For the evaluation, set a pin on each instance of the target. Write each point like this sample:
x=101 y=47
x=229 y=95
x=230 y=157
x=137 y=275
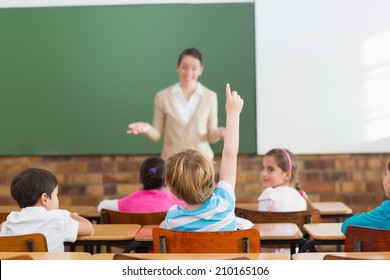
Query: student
x=154 y=197
x=36 y=192
x=190 y=176
x=280 y=175
x=185 y=114
x=377 y=218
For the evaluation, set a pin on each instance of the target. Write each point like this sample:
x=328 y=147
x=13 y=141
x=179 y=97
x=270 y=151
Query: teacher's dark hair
x=192 y=52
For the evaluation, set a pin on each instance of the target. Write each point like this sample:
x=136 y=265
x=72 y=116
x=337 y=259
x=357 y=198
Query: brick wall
x=354 y=179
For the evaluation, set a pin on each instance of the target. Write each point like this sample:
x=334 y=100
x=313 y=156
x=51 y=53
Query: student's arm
x=110 y=204
x=85 y=226
x=233 y=107
x=265 y=205
x=266 y=200
x=377 y=218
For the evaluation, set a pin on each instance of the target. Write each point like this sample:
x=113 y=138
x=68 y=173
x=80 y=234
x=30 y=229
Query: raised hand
x=234 y=102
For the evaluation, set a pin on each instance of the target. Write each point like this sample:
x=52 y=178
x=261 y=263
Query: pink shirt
x=148 y=201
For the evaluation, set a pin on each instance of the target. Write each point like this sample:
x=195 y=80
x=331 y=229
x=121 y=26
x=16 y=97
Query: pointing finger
x=228 y=93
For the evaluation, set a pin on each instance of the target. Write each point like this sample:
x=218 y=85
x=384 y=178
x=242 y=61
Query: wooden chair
x=238 y=241
x=3 y=216
x=35 y=242
x=143 y=219
x=298 y=217
x=363 y=239
x=20 y=257
x=116 y=217
x=328 y=257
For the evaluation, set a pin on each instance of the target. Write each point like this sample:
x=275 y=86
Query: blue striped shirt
x=216 y=213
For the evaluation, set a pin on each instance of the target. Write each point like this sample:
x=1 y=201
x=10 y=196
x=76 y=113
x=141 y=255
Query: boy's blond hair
x=190 y=176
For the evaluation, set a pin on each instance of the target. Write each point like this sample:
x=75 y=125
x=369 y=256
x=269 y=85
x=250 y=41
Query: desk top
x=9 y=208
x=278 y=231
x=332 y=208
x=325 y=207
x=250 y=206
x=362 y=255
x=83 y=210
x=145 y=233
x=325 y=231
x=172 y=256
x=47 y=255
x=112 y=232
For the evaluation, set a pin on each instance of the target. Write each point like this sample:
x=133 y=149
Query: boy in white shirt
x=36 y=192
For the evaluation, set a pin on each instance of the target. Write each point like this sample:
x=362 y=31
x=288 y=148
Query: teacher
x=185 y=114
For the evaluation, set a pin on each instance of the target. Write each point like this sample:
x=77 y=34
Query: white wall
x=323 y=75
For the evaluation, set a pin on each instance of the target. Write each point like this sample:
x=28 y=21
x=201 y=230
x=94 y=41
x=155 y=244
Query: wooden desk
x=323 y=234
x=328 y=209
x=250 y=206
x=89 y=212
x=172 y=256
x=280 y=234
x=143 y=240
x=9 y=208
x=47 y=255
x=333 y=209
x=362 y=255
x=107 y=235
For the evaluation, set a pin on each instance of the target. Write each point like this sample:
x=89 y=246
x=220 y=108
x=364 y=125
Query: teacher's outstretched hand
x=138 y=128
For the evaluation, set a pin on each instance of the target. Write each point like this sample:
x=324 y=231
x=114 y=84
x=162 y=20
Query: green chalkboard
x=72 y=78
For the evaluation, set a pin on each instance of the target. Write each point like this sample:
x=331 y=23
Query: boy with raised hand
x=190 y=176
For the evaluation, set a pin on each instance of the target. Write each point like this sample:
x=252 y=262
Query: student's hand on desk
x=138 y=128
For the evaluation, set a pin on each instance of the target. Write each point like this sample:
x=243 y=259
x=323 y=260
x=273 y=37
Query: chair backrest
x=35 y=242
x=297 y=217
x=341 y=258
x=3 y=216
x=117 y=217
x=363 y=239
x=238 y=241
